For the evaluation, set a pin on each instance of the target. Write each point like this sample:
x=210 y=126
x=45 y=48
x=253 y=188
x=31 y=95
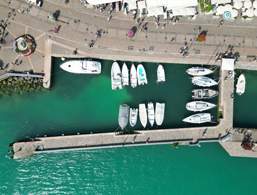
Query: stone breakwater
x=20 y=85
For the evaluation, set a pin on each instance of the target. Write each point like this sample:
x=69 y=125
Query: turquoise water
x=71 y=106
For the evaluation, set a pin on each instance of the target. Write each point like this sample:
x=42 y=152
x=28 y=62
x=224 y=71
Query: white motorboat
x=143 y=115
x=125 y=75
x=159 y=113
x=199 y=106
x=160 y=74
x=151 y=115
x=123 y=115
x=204 y=93
x=199 y=71
x=141 y=75
x=133 y=76
x=116 y=76
x=133 y=116
x=198 y=118
x=203 y=81
x=82 y=66
x=240 y=85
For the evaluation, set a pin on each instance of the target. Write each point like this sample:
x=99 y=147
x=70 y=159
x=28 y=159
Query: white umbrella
x=227 y=15
x=220 y=10
x=234 y=13
x=238 y=4
x=228 y=7
x=248 y=4
x=255 y=4
x=255 y=12
x=249 y=12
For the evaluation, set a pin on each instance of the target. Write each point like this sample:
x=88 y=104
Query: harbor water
x=79 y=103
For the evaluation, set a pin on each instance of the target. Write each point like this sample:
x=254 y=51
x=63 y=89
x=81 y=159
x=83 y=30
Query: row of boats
x=121 y=77
x=199 y=79
x=151 y=114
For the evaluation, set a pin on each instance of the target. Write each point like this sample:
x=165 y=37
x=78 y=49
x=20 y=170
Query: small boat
x=204 y=93
x=198 y=118
x=123 y=115
x=160 y=74
x=125 y=75
x=116 y=76
x=151 y=115
x=240 y=85
x=159 y=113
x=143 y=115
x=141 y=75
x=133 y=116
x=133 y=76
x=198 y=71
x=203 y=81
x=199 y=106
x=82 y=66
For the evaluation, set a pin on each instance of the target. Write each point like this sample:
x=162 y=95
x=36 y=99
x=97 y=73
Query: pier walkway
x=18 y=74
x=179 y=135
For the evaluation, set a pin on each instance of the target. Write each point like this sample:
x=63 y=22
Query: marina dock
x=142 y=137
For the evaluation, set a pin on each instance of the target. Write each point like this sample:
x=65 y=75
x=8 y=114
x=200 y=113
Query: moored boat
x=143 y=115
x=160 y=74
x=203 y=81
x=198 y=118
x=125 y=75
x=133 y=76
x=116 y=76
x=159 y=113
x=240 y=85
x=199 y=71
x=151 y=115
x=133 y=116
x=82 y=66
x=199 y=106
x=123 y=115
x=204 y=93
x=141 y=75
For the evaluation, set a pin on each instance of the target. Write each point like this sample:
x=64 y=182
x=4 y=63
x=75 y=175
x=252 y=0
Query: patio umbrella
x=220 y=10
x=238 y=4
x=255 y=4
x=255 y=12
x=249 y=12
x=248 y=4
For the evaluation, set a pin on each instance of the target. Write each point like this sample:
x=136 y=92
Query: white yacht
x=199 y=71
x=116 y=76
x=133 y=116
x=199 y=106
x=198 y=118
x=204 y=93
x=125 y=75
x=240 y=85
x=133 y=76
x=141 y=75
x=160 y=74
x=123 y=115
x=151 y=115
x=82 y=66
x=143 y=115
x=203 y=81
x=159 y=113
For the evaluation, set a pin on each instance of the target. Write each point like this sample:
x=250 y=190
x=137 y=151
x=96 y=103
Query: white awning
x=228 y=64
x=141 y=5
x=220 y=1
x=188 y=11
x=132 y=4
x=155 y=11
x=99 y=2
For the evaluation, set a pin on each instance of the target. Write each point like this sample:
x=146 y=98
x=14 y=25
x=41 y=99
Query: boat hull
x=199 y=71
x=159 y=113
x=143 y=115
x=160 y=74
x=123 y=115
x=198 y=118
x=81 y=67
x=141 y=75
x=133 y=76
x=203 y=81
x=116 y=76
x=199 y=106
x=125 y=75
x=204 y=93
x=133 y=116
x=240 y=86
x=151 y=115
